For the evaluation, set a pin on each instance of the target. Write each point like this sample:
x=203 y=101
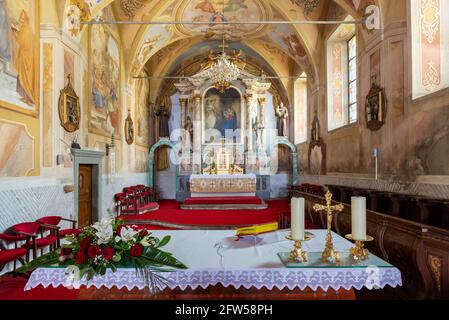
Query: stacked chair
x=137 y=199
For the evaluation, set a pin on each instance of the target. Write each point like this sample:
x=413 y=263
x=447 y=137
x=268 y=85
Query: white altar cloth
x=223 y=185
x=214 y=257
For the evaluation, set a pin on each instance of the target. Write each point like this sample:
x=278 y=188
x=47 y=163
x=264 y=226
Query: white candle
x=358 y=218
x=297 y=218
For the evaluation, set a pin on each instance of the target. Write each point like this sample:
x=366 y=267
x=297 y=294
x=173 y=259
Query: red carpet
x=171 y=212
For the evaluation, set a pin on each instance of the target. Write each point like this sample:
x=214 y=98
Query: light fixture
x=223 y=72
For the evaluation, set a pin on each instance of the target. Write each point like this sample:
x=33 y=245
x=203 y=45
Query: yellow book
x=257 y=229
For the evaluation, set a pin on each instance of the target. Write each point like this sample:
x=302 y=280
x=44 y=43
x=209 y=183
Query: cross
x=329 y=251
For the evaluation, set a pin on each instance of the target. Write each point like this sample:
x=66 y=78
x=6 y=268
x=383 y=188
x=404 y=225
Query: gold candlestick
x=297 y=253
x=358 y=252
x=329 y=254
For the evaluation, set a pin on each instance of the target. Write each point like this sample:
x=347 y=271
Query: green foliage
x=48 y=259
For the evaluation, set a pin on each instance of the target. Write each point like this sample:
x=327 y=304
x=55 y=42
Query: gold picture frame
x=129 y=130
x=11 y=105
x=69 y=108
x=375 y=108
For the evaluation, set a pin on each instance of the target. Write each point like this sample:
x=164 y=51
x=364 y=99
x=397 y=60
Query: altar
x=223 y=185
x=215 y=259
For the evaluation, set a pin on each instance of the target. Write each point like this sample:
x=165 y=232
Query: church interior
x=253 y=149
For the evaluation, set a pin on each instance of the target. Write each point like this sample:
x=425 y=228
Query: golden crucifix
x=329 y=252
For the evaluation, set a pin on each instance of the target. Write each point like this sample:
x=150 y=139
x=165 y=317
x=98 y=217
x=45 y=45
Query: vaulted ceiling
x=162 y=49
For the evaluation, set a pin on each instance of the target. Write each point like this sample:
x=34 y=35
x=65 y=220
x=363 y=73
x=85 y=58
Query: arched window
x=342 y=77
x=300 y=110
x=430 y=46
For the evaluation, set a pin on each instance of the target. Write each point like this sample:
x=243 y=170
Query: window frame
x=356 y=78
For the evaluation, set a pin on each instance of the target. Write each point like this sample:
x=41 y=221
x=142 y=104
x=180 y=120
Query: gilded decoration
x=223 y=185
x=69 y=108
x=435 y=267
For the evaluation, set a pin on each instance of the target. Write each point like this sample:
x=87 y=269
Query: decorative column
x=249 y=124
x=261 y=101
x=197 y=133
x=183 y=105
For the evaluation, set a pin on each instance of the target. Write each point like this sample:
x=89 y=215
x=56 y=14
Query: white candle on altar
x=297 y=218
x=358 y=218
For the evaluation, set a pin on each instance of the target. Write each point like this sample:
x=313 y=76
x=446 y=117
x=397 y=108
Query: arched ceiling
x=301 y=43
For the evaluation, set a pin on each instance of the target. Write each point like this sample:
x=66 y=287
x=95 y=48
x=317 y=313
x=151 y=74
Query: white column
x=197 y=133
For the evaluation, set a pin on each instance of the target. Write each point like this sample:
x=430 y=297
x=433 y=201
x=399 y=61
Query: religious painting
x=212 y=11
x=16 y=150
x=129 y=130
x=142 y=113
x=19 y=55
x=375 y=108
x=222 y=115
x=69 y=108
x=104 y=64
x=286 y=37
x=156 y=36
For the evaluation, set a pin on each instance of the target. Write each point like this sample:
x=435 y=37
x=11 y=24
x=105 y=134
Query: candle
x=297 y=218
x=358 y=218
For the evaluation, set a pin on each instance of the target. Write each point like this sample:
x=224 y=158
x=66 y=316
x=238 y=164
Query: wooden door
x=85 y=195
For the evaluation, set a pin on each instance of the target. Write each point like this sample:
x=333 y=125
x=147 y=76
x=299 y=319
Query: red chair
x=12 y=255
x=33 y=229
x=54 y=221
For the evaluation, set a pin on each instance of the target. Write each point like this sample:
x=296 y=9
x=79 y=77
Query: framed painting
x=19 y=56
x=129 y=130
x=104 y=82
x=222 y=115
x=375 y=108
x=69 y=108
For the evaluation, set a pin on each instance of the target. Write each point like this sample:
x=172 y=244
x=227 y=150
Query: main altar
x=225 y=133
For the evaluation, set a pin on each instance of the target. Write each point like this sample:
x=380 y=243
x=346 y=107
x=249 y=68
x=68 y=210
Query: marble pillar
x=197 y=133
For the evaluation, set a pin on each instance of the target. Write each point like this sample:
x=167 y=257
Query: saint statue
x=164 y=116
x=188 y=127
x=282 y=115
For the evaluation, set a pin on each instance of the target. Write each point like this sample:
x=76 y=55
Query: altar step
x=224 y=203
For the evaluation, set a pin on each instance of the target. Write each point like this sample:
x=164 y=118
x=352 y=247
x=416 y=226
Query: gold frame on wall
x=375 y=108
x=36 y=55
x=68 y=94
x=129 y=130
x=116 y=38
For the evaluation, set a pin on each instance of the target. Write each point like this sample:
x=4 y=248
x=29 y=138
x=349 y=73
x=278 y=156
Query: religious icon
x=282 y=115
x=375 y=108
x=129 y=130
x=315 y=129
x=189 y=128
x=164 y=116
x=221 y=113
x=69 y=108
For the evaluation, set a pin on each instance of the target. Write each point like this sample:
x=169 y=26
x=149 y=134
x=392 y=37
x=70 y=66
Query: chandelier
x=223 y=72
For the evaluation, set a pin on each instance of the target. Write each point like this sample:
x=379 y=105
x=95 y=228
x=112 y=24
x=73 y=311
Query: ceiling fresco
x=140 y=42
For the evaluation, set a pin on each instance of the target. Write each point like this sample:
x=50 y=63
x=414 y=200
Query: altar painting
x=222 y=115
x=104 y=115
x=19 y=58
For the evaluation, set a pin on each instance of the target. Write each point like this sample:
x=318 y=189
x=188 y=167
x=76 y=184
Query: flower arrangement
x=110 y=244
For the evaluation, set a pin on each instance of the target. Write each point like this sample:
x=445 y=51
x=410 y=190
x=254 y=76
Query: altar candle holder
x=298 y=254
x=359 y=253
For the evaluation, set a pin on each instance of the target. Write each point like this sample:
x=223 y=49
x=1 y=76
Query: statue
x=164 y=116
x=188 y=127
x=210 y=61
x=315 y=129
x=236 y=60
x=282 y=115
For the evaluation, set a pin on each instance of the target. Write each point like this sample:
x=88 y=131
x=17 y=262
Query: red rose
x=93 y=251
x=66 y=251
x=85 y=243
x=143 y=233
x=81 y=258
x=108 y=253
x=136 y=250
